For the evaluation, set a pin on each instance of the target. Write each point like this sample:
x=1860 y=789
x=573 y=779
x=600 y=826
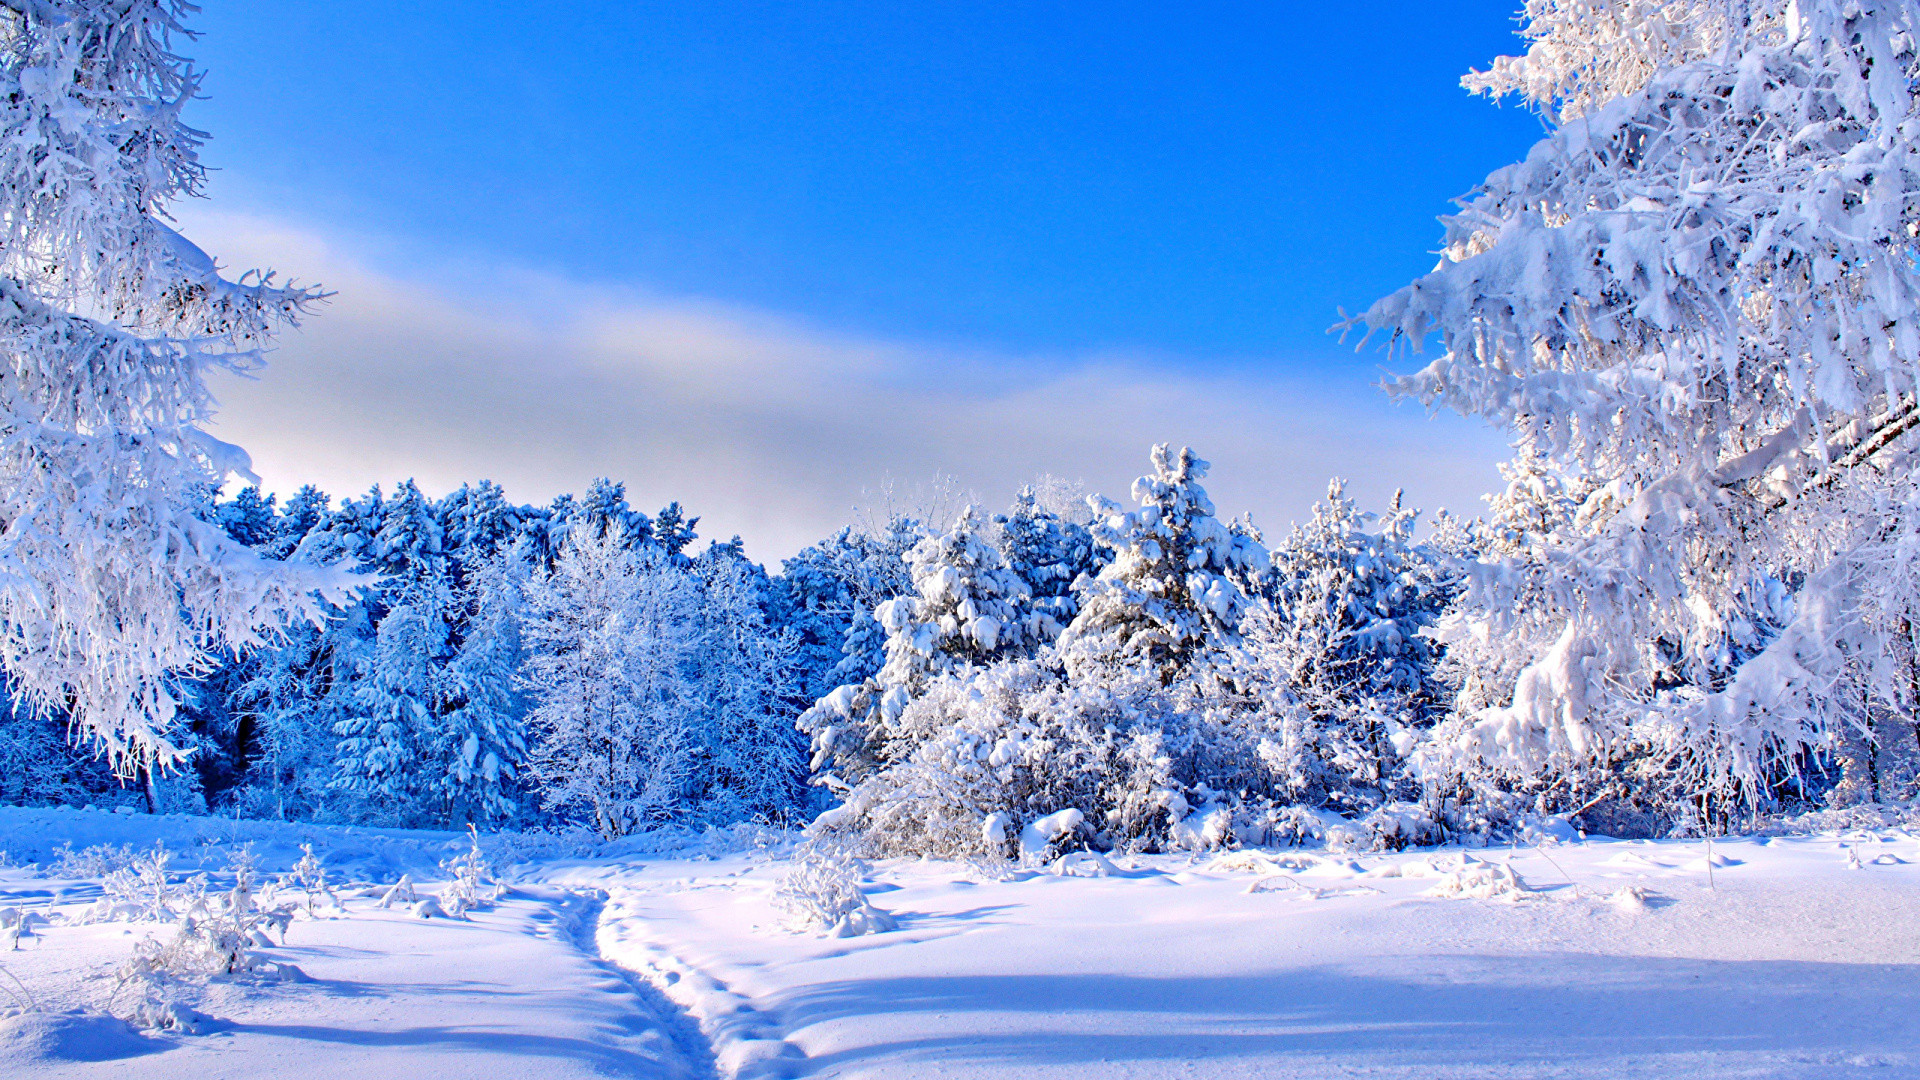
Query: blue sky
x=1027 y=234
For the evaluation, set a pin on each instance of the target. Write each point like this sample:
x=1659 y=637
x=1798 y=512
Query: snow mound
x=1254 y=862
x=1471 y=879
x=77 y=1035
x=865 y=919
x=1084 y=864
x=1334 y=868
x=1703 y=864
x=1280 y=883
x=1632 y=899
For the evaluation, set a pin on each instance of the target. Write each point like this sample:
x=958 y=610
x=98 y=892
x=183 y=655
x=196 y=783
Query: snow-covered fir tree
x=111 y=587
x=755 y=759
x=1131 y=723
x=1171 y=592
x=966 y=609
x=829 y=591
x=1335 y=668
x=1051 y=555
x=480 y=742
x=394 y=720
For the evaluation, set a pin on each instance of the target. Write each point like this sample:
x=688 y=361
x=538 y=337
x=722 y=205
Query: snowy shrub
x=214 y=936
x=401 y=891
x=1463 y=877
x=474 y=885
x=310 y=877
x=1000 y=741
x=821 y=891
x=96 y=861
x=141 y=889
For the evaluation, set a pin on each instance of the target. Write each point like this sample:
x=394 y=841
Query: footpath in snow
x=1780 y=957
x=1598 y=959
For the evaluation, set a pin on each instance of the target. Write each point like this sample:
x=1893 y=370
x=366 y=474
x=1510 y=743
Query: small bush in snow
x=96 y=861
x=822 y=891
x=215 y=936
x=310 y=877
x=141 y=890
x=474 y=885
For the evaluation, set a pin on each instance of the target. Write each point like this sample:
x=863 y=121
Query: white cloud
x=763 y=426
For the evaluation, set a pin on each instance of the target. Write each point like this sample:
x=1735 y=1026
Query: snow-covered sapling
x=474 y=885
x=311 y=878
x=822 y=892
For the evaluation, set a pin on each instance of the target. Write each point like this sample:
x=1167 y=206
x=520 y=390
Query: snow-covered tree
x=248 y=518
x=966 y=609
x=828 y=593
x=1700 y=291
x=384 y=763
x=111 y=587
x=1171 y=592
x=1051 y=555
x=1135 y=731
x=479 y=522
x=1334 y=667
x=480 y=742
x=39 y=766
x=611 y=635
x=755 y=759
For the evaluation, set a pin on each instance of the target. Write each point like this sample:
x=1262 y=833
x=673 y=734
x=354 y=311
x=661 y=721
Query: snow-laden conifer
x=1334 y=667
x=110 y=586
x=1170 y=593
x=966 y=609
x=479 y=744
x=755 y=761
x=393 y=720
x=1051 y=555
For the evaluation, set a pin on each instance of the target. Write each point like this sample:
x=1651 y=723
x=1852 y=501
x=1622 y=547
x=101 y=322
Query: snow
x=505 y=992
x=1786 y=965
x=1595 y=958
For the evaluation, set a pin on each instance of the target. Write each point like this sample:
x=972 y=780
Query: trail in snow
x=1797 y=958
x=1790 y=964
x=506 y=994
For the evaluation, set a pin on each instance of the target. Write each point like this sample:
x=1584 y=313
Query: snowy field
x=1795 y=957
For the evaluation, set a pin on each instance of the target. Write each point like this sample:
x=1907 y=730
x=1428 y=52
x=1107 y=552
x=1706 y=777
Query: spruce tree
x=111 y=588
x=1169 y=597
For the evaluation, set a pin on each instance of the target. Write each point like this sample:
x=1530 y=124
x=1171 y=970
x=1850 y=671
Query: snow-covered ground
x=1591 y=959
